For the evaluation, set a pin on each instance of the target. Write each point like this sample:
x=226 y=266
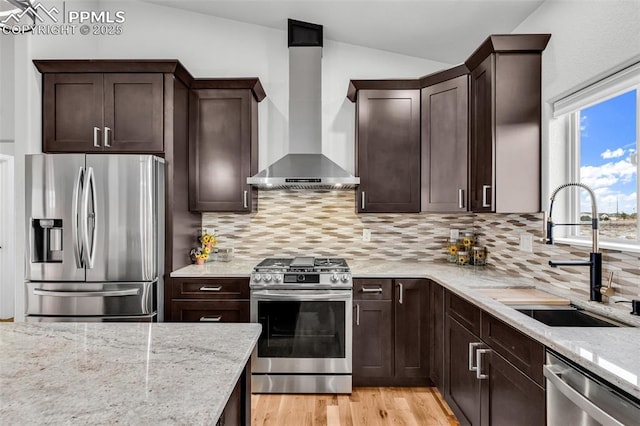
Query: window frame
x=568 y=108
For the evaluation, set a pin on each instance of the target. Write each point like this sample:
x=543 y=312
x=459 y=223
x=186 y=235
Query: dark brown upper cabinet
x=223 y=144
x=505 y=141
x=445 y=137
x=388 y=150
x=103 y=112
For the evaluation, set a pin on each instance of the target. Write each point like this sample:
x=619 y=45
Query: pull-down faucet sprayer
x=595 y=257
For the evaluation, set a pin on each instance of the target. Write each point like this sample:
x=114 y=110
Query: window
x=604 y=155
x=608 y=152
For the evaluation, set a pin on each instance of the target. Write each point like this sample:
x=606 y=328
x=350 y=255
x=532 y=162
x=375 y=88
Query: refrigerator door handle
x=89 y=246
x=77 y=248
x=106 y=293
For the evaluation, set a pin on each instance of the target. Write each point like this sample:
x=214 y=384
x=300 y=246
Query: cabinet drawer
x=372 y=289
x=210 y=311
x=210 y=288
x=464 y=312
x=519 y=349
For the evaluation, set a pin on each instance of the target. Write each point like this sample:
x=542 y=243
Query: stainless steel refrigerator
x=95 y=229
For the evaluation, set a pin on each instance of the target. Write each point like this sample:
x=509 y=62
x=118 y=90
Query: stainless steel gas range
x=305 y=307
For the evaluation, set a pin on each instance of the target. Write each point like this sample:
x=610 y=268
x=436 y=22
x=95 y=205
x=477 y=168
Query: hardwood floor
x=365 y=406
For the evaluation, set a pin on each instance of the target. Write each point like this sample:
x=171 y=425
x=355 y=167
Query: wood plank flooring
x=419 y=406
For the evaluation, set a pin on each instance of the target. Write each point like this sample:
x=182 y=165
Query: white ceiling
x=440 y=30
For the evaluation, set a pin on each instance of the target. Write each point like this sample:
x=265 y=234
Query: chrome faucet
x=595 y=257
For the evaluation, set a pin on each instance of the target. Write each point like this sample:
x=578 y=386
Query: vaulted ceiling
x=440 y=30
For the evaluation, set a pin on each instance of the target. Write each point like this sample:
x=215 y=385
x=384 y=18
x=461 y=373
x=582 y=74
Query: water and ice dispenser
x=46 y=240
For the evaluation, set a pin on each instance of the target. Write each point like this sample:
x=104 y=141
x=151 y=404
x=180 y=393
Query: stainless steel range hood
x=305 y=166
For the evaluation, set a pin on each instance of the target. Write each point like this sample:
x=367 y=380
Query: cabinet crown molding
x=507 y=43
x=58 y=66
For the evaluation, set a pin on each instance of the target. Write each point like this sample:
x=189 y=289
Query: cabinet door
x=445 y=130
x=210 y=311
x=482 y=136
x=388 y=144
x=220 y=138
x=462 y=388
x=436 y=335
x=72 y=109
x=133 y=113
x=412 y=328
x=372 y=342
x=508 y=396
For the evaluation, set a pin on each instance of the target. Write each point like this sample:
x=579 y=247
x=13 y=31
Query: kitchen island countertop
x=126 y=373
x=609 y=352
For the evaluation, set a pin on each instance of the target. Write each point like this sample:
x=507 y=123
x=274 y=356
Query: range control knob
x=277 y=278
x=267 y=278
x=334 y=278
x=257 y=277
x=344 y=278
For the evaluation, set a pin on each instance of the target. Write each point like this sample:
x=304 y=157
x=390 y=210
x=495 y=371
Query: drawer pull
x=472 y=348
x=479 y=353
x=211 y=319
x=371 y=290
x=205 y=288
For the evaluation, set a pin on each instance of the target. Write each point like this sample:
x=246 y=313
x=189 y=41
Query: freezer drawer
x=90 y=299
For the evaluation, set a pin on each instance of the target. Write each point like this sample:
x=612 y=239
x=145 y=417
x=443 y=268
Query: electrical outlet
x=366 y=235
x=526 y=242
x=454 y=234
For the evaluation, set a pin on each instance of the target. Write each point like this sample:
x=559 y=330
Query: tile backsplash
x=325 y=223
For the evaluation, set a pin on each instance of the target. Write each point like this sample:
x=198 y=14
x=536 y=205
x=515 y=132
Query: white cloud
x=612 y=154
x=608 y=174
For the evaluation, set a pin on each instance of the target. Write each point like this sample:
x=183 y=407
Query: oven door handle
x=296 y=296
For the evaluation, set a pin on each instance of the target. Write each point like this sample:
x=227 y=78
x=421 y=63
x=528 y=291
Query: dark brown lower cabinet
x=210 y=310
x=436 y=335
x=390 y=332
x=372 y=341
x=482 y=384
x=508 y=396
x=212 y=299
x=462 y=388
x=412 y=329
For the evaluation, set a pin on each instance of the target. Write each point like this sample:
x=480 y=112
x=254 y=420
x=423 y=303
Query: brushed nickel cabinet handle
x=485 y=203
x=461 y=198
x=96 y=137
x=401 y=290
x=479 y=353
x=371 y=290
x=107 y=132
x=211 y=319
x=472 y=347
x=357 y=314
x=245 y=199
x=205 y=288
x=362 y=201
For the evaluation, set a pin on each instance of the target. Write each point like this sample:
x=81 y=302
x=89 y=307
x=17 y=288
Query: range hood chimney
x=304 y=166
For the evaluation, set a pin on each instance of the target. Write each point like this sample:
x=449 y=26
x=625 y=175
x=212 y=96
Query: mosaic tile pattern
x=325 y=223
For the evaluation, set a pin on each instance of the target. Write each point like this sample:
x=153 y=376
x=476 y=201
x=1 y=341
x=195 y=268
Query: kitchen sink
x=567 y=316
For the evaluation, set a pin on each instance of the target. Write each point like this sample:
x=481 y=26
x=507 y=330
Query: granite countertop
x=611 y=353
x=126 y=373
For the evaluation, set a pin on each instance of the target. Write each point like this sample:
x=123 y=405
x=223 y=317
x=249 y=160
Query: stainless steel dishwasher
x=579 y=398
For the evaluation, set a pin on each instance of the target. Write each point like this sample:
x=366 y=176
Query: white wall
x=6 y=91
x=589 y=40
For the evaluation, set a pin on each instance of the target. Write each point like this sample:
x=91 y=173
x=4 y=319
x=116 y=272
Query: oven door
x=303 y=331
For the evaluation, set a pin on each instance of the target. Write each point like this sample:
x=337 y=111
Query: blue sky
x=608 y=144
